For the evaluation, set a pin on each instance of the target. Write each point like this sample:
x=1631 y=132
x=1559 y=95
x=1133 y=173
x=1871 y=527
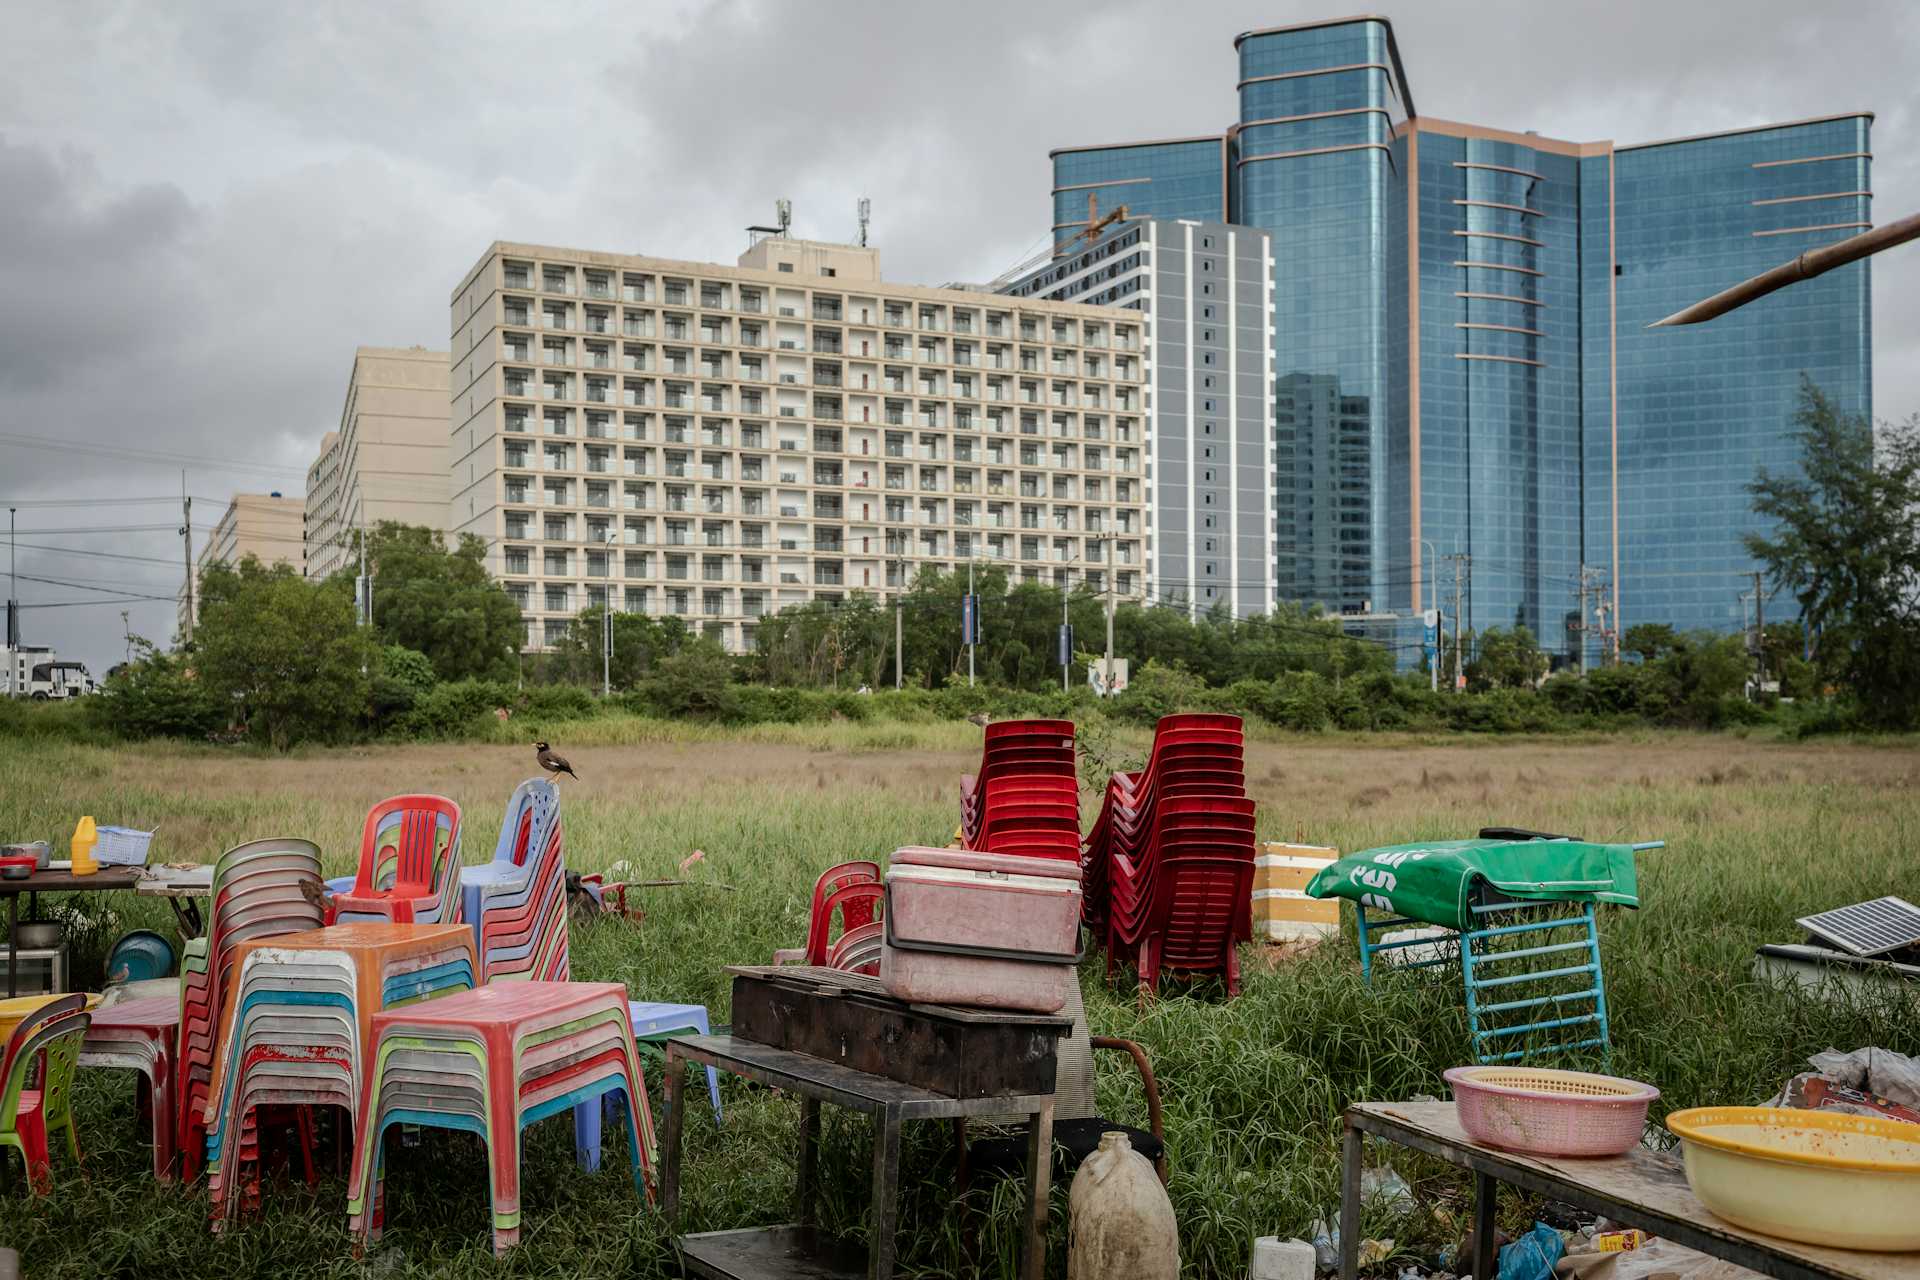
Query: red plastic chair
x=406 y=873
x=855 y=910
x=1168 y=870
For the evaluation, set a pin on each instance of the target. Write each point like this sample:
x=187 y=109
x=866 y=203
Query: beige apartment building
x=265 y=526
x=388 y=460
x=722 y=442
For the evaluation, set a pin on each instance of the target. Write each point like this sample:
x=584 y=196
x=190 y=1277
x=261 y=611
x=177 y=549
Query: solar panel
x=1867 y=928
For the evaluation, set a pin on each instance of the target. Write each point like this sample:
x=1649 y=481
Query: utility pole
x=186 y=547
x=13 y=589
x=1112 y=574
x=1462 y=570
x=1580 y=619
x=1066 y=666
x=899 y=629
x=606 y=623
x=973 y=615
x=366 y=583
x=1760 y=626
x=126 y=626
x=1433 y=607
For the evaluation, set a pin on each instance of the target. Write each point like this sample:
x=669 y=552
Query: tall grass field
x=1757 y=833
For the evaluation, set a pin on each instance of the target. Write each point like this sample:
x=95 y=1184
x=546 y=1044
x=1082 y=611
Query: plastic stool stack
x=297 y=1016
x=653 y=1024
x=261 y=889
x=492 y=1061
x=141 y=1035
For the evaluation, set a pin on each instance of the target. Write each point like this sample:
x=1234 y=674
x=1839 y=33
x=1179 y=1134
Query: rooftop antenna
x=865 y=208
x=783 y=214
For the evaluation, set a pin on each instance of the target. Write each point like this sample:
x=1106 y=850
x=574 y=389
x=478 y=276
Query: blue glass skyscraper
x=1462 y=361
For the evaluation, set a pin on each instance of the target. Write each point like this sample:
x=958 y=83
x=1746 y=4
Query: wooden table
x=182 y=887
x=1645 y=1189
x=767 y=1253
x=55 y=880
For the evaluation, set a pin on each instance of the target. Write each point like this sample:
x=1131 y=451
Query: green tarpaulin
x=1434 y=882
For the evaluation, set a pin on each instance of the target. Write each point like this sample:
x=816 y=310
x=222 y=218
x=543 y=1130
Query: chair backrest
x=56 y=1041
x=25 y=1029
x=856 y=904
x=838 y=877
x=408 y=842
x=531 y=811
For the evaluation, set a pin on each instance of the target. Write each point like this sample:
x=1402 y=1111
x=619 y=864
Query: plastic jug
x=85 y=836
x=1122 y=1225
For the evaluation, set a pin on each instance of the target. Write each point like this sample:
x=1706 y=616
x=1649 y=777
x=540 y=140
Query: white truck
x=35 y=671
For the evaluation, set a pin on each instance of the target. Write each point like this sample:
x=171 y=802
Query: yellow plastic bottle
x=85 y=836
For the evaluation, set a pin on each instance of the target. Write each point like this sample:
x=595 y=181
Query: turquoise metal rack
x=1534 y=982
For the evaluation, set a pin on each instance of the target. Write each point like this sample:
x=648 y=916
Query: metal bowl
x=37 y=935
x=39 y=850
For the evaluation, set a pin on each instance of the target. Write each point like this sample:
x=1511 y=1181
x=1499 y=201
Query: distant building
x=388 y=460
x=718 y=442
x=1461 y=354
x=1206 y=289
x=265 y=526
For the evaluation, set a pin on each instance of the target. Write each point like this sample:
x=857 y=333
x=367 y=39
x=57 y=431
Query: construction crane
x=1096 y=222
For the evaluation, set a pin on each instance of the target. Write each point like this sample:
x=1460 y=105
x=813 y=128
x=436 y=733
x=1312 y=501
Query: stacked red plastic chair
x=261 y=889
x=409 y=864
x=517 y=903
x=852 y=890
x=1168 y=875
x=1025 y=800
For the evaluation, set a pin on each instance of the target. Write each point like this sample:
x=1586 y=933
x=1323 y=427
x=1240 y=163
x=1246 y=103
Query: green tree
x=639 y=641
x=1693 y=681
x=1844 y=541
x=159 y=695
x=442 y=603
x=402 y=677
x=694 y=683
x=1650 y=640
x=285 y=650
x=1505 y=659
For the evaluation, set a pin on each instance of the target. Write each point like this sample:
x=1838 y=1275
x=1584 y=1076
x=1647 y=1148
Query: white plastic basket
x=122 y=847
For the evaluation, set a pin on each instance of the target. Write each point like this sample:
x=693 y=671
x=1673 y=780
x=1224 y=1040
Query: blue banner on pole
x=969 y=619
x=1066 y=644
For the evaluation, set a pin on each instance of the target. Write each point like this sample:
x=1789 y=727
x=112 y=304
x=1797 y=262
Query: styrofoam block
x=1277 y=1259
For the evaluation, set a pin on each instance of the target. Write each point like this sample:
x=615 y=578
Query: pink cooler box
x=988 y=929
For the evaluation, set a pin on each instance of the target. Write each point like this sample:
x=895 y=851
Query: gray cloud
x=208 y=206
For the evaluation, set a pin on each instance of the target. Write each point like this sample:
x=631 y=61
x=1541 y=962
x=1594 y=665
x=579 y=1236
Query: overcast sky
x=204 y=207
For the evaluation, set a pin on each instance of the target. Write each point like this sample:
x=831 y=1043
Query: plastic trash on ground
x=1866 y=1082
x=1533 y=1255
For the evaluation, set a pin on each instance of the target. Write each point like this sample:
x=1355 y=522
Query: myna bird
x=553 y=764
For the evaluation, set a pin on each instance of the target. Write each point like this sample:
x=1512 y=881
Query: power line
x=170 y=459
x=87 y=502
x=130 y=593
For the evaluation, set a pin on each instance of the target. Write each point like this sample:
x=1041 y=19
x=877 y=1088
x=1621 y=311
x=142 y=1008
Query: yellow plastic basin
x=1852 y=1182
